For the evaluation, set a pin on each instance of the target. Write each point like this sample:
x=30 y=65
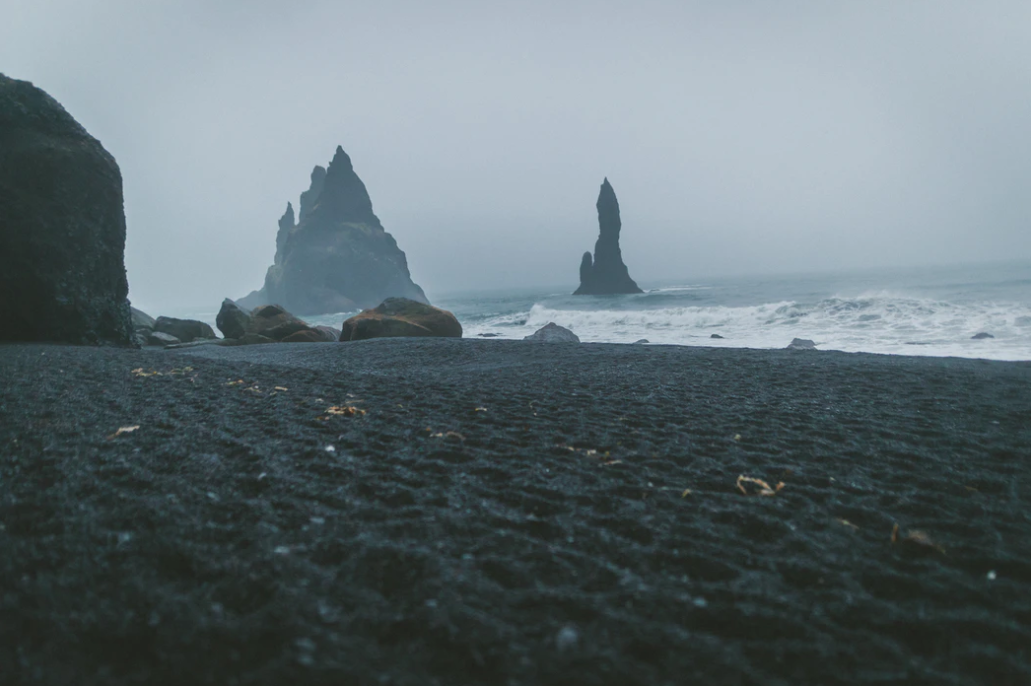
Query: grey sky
x=739 y=136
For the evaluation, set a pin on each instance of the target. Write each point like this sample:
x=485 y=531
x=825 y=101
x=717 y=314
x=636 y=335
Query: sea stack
x=606 y=274
x=62 y=226
x=337 y=257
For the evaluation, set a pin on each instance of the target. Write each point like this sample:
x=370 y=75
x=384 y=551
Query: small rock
x=553 y=333
x=981 y=336
x=716 y=335
x=162 y=339
x=801 y=344
x=641 y=342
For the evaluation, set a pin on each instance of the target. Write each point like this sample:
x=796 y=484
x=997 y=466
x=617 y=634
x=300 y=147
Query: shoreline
x=512 y=513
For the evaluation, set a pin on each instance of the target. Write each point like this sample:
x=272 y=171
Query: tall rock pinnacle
x=338 y=257
x=606 y=274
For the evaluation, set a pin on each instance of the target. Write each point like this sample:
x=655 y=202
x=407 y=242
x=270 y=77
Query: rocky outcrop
x=62 y=226
x=981 y=336
x=401 y=317
x=553 y=333
x=185 y=330
x=337 y=257
x=606 y=274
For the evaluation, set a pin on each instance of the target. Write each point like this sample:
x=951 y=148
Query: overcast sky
x=739 y=136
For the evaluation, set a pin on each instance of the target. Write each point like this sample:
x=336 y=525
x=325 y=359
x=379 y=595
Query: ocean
x=913 y=311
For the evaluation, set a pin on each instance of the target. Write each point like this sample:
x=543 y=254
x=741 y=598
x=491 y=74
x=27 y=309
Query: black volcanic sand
x=544 y=539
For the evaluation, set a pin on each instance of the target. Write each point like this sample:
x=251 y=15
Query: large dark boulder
x=606 y=274
x=337 y=257
x=62 y=226
x=232 y=320
x=273 y=321
x=396 y=317
x=141 y=320
x=185 y=330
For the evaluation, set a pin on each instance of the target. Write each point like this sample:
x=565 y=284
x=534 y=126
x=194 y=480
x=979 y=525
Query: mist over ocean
x=930 y=311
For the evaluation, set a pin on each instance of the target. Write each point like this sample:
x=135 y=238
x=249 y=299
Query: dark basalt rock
x=185 y=330
x=553 y=333
x=981 y=336
x=272 y=321
x=141 y=320
x=161 y=338
x=310 y=336
x=232 y=320
x=62 y=227
x=286 y=225
x=715 y=335
x=606 y=274
x=337 y=257
x=801 y=344
x=397 y=317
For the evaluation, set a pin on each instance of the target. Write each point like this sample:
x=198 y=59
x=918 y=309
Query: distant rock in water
x=62 y=226
x=801 y=344
x=553 y=333
x=606 y=274
x=981 y=336
x=716 y=335
x=337 y=257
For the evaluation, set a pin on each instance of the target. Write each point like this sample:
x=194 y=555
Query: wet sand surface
x=502 y=512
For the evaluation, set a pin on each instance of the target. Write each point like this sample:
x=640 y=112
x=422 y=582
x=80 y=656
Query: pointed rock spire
x=337 y=257
x=607 y=274
x=286 y=223
x=310 y=197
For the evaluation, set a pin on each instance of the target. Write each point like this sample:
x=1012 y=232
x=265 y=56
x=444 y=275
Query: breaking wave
x=874 y=322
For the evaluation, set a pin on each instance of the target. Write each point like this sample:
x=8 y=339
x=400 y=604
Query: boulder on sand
x=272 y=321
x=399 y=317
x=232 y=320
x=62 y=226
x=141 y=320
x=316 y=335
x=185 y=330
x=553 y=333
x=162 y=339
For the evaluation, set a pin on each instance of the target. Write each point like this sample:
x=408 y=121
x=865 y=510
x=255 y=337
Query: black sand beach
x=499 y=512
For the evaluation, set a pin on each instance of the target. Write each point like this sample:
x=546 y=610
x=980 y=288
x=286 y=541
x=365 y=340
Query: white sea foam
x=872 y=322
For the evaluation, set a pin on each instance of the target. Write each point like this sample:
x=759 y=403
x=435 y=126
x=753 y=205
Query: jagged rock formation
x=311 y=196
x=606 y=274
x=62 y=226
x=338 y=257
x=286 y=225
